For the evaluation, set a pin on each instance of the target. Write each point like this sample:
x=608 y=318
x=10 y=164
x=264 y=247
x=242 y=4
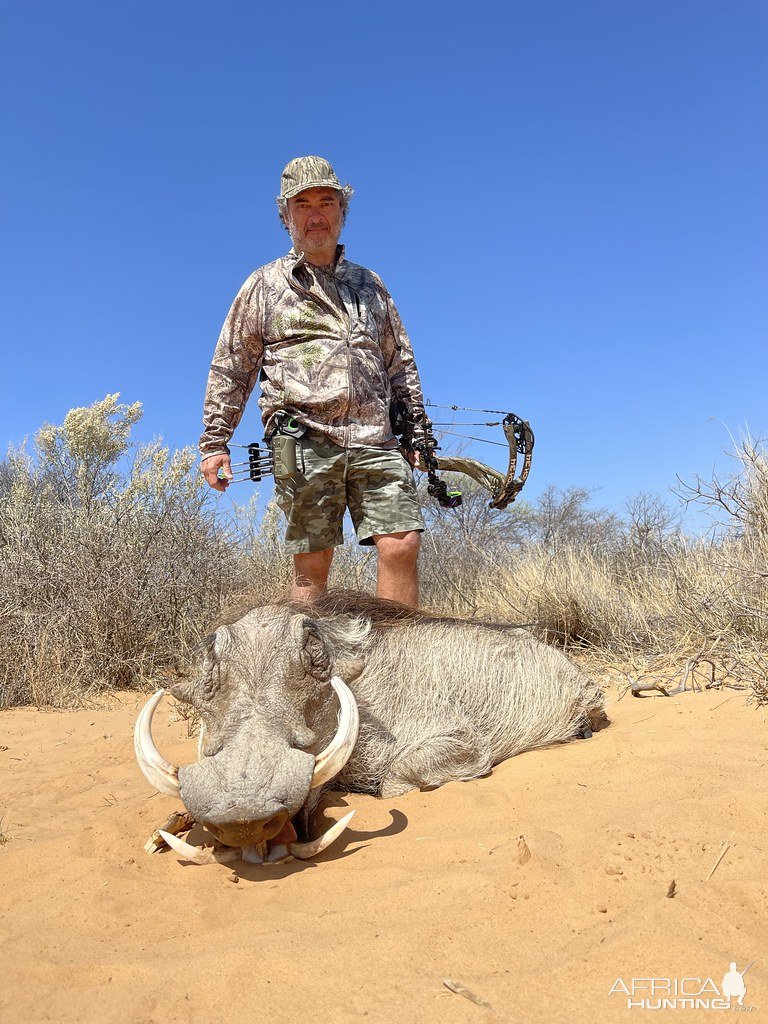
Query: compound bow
x=504 y=488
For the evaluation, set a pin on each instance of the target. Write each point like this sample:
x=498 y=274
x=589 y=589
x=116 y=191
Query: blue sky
x=567 y=201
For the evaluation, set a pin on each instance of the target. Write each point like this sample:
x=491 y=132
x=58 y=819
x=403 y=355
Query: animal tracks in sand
x=630 y=854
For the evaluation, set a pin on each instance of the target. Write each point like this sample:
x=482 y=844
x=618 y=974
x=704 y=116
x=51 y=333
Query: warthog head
x=268 y=697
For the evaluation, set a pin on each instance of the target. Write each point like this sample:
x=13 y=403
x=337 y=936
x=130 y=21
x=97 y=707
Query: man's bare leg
x=310 y=574
x=398 y=578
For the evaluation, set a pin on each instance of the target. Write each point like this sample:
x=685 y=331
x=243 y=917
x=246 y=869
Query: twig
x=723 y=852
x=638 y=688
x=690 y=670
x=460 y=990
x=723 y=702
x=643 y=720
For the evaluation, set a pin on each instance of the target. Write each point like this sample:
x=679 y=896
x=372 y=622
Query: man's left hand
x=413 y=458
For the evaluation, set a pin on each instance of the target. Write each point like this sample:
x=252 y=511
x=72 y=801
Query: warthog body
x=439 y=699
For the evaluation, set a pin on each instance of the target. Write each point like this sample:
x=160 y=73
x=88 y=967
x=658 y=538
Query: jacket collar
x=299 y=259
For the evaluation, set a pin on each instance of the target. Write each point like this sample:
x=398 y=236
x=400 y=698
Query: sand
x=421 y=888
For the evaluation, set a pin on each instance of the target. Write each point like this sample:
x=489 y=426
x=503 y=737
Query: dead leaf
x=523 y=853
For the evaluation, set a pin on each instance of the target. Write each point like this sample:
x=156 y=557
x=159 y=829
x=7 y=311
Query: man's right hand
x=210 y=469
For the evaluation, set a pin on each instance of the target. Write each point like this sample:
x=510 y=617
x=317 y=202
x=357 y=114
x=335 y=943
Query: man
x=325 y=340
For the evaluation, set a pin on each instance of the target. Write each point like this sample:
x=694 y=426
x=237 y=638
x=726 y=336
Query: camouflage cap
x=309 y=172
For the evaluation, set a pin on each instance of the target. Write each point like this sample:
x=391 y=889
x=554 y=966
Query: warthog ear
x=314 y=655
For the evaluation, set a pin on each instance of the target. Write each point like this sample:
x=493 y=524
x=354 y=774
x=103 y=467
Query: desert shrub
x=112 y=560
x=113 y=564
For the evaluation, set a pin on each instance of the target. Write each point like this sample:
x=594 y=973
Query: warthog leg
x=584 y=731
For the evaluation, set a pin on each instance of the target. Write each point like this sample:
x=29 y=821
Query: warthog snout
x=249 y=792
x=246 y=833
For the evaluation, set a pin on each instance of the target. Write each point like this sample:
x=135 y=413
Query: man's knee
x=313 y=565
x=399 y=549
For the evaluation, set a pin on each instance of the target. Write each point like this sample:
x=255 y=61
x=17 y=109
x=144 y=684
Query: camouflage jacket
x=329 y=347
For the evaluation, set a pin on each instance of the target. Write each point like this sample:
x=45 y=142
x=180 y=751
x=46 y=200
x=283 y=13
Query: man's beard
x=312 y=241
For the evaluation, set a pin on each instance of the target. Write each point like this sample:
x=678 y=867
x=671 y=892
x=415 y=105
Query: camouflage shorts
x=374 y=484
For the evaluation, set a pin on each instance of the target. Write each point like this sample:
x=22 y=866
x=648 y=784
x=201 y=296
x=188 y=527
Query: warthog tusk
x=197 y=854
x=194 y=853
x=257 y=853
x=158 y=772
x=330 y=761
x=304 y=851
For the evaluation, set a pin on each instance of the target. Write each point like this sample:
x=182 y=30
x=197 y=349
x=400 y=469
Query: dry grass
x=113 y=566
x=665 y=599
x=5 y=835
x=181 y=712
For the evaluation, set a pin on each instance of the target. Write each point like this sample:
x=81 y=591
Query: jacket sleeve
x=234 y=370
x=401 y=367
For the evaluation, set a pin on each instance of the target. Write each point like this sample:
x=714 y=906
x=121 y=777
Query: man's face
x=314 y=221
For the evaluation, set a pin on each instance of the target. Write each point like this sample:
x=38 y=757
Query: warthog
x=424 y=700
